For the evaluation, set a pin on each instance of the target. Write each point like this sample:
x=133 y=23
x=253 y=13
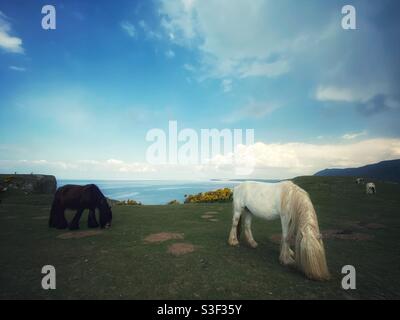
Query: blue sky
x=78 y=101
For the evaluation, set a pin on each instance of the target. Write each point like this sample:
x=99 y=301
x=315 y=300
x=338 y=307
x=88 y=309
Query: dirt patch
x=346 y=235
x=210 y=216
x=354 y=236
x=275 y=238
x=179 y=249
x=79 y=234
x=358 y=225
x=375 y=226
x=163 y=236
x=342 y=234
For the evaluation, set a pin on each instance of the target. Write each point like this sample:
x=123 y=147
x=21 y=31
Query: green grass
x=118 y=264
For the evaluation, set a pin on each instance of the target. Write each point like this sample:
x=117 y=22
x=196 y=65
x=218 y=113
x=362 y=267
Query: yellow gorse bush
x=220 y=195
x=173 y=202
x=8 y=179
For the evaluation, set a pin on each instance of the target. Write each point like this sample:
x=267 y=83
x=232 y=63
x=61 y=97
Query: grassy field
x=119 y=264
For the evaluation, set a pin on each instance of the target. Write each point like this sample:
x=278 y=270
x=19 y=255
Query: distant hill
x=385 y=170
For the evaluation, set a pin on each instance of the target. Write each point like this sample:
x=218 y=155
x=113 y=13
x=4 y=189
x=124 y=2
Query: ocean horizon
x=153 y=192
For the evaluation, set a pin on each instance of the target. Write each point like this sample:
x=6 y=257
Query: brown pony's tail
x=239 y=228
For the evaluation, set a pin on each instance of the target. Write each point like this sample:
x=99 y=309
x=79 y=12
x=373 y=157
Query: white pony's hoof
x=287 y=261
x=233 y=243
x=253 y=244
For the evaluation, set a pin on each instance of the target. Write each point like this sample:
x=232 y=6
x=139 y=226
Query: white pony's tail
x=310 y=254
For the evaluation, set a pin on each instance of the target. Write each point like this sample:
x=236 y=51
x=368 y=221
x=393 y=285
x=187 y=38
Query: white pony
x=299 y=222
x=370 y=188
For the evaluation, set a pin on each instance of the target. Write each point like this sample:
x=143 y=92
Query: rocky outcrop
x=29 y=183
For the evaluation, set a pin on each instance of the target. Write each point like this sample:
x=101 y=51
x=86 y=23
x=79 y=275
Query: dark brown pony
x=79 y=198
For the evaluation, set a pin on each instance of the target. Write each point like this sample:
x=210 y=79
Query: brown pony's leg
x=53 y=214
x=61 y=222
x=92 y=222
x=75 y=222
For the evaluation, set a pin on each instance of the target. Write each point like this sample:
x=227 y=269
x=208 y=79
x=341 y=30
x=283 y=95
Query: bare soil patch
x=358 y=225
x=79 y=234
x=346 y=234
x=375 y=226
x=181 y=248
x=163 y=236
x=342 y=234
x=275 y=238
x=210 y=216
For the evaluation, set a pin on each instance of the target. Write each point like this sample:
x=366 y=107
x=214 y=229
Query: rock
x=30 y=183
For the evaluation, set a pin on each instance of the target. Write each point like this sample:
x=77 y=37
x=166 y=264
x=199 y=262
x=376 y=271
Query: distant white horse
x=299 y=221
x=360 y=180
x=370 y=188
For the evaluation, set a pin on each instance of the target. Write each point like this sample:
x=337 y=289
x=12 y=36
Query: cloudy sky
x=78 y=101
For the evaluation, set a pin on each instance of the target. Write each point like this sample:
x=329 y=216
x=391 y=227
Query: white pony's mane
x=296 y=203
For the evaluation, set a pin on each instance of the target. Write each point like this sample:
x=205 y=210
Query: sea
x=154 y=192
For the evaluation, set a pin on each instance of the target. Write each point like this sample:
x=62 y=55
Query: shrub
x=8 y=179
x=220 y=195
x=129 y=203
x=173 y=202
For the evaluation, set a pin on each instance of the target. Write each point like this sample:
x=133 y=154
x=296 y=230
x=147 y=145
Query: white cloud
x=180 y=14
x=189 y=67
x=92 y=168
x=351 y=136
x=270 y=161
x=369 y=99
x=226 y=85
x=252 y=110
x=15 y=68
x=258 y=69
x=235 y=38
x=150 y=34
x=265 y=38
x=170 y=54
x=143 y=24
x=129 y=28
x=35 y=165
x=346 y=94
x=114 y=162
x=8 y=42
x=286 y=160
x=114 y=166
x=335 y=94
